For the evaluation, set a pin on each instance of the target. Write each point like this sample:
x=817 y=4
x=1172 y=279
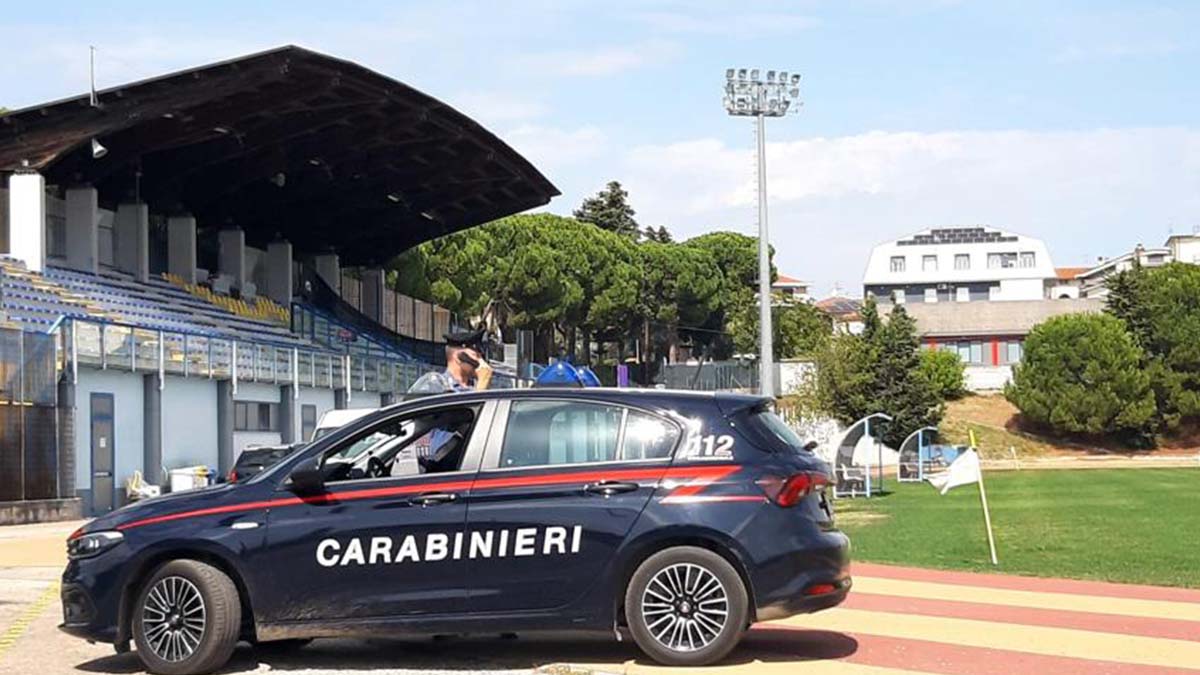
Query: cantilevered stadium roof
x=323 y=151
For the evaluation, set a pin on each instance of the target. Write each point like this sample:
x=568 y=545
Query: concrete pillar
x=340 y=400
x=231 y=261
x=287 y=414
x=372 y=293
x=329 y=268
x=66 y=437
x=224 y=427
x=181 y=247
x=131 y=228
x=152 y=457
x=27 y=219
x=279 y=272
x=386 y=398
x=83 y=232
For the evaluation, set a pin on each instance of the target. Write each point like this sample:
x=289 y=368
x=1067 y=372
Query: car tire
x=186 y=619
x=686 y=606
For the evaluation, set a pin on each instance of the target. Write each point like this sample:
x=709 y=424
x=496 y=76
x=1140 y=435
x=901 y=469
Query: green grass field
x=1130 y=525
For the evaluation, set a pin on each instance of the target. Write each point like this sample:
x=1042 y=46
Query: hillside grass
x=1131 y=525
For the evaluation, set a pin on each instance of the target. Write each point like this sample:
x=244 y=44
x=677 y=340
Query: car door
x=559 y=490
x=379 y=542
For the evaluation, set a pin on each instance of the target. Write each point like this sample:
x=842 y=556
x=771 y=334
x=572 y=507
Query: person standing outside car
x=466 y=369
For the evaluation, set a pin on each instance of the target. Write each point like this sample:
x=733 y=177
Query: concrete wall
x=982 y=379
x=126 y=389
x=1021 y=289
x=321 y=398
x=363 y=399
x=189 y=425
x=261 y=393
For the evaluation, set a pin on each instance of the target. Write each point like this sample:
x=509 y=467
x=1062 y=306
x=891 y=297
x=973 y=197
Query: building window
x=962 y=261
x=897 y=263
x=898 y=296
x=929 y=263
x=931 y=295
x=1028 y=260
x=962 y=294
x=255 y=416
x=998 y=261
x=1012 y=351
x=308 y=421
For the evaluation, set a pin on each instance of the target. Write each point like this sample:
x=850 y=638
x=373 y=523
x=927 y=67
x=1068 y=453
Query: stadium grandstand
x=193 y=264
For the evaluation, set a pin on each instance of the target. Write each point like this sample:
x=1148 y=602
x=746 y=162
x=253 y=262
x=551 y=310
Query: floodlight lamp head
x=770 y=76
x=729 y=73
x=742 y=74
x=754 y=75
x=98 y=151
x=795 y=79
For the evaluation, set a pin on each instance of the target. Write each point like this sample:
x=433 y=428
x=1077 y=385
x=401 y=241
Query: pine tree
x=610 y=210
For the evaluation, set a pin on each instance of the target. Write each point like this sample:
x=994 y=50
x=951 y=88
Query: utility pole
x=746 y=95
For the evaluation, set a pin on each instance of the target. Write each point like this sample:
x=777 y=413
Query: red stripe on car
x=699 y=477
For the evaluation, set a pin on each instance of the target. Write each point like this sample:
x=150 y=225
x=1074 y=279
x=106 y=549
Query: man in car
x=466 y=369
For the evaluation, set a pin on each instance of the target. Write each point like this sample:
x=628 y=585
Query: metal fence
x=29 y=452
x=714 y=376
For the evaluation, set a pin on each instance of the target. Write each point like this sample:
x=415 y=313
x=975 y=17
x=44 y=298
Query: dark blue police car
x=676 y=518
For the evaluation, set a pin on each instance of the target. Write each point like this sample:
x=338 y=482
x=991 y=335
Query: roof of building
x=323 y=151
x=840 y=307
x=785 y=280
x=958 y=235
x=1013 y=317
x=1069 y=273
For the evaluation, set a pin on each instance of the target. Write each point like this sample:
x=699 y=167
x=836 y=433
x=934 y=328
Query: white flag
x=963 y=471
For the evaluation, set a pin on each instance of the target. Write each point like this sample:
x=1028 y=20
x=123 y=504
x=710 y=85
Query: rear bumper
x=805 y=603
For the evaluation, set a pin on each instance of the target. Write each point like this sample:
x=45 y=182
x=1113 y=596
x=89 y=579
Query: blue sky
x=1076 y=122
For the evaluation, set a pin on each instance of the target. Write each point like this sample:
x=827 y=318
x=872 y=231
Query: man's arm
x=483 y=375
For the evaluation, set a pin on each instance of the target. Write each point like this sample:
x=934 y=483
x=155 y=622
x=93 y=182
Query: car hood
x=175 y=502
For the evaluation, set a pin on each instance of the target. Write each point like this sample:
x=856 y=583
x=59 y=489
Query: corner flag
x=964 y=470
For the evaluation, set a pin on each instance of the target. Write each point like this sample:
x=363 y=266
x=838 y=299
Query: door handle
x=609 y=488
x=102 y=474
x=432 y=498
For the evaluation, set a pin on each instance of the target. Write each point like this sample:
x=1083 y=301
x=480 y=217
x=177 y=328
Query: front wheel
x=686 y=606
x=186 y=619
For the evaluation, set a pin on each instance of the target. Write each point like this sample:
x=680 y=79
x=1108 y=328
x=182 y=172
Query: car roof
x=665 y=398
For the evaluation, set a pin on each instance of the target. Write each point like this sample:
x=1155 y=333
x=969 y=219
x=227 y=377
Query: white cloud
x=599 y=61
x=1086 y=193
x=551 y=148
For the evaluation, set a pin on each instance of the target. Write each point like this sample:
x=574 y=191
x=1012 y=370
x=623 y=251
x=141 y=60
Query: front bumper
x=80 y=618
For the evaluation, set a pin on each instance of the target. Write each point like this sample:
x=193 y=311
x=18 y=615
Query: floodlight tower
x=747 y=95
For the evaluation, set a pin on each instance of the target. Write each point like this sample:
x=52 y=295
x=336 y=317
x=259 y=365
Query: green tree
x=879 y=371
x=903 y=390
x=659 y=235
x=610 y=210
x=1161 y=308
x=1083 y=374
x=944 y=371
x=798 y=330
x=735 y=260
x=678 y=293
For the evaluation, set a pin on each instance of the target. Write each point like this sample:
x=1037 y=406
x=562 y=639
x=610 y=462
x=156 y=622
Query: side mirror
x=307 y=478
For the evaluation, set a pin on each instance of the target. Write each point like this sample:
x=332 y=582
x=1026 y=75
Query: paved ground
x=898 y=620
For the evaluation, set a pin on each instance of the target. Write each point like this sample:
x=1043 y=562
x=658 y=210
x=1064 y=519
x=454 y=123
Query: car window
x=648 y=437
x=550 y=433
x=543 y=433
x=428 y=442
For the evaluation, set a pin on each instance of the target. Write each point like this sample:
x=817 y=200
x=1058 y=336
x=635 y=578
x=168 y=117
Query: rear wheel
x=686 y=606
x=186 y=619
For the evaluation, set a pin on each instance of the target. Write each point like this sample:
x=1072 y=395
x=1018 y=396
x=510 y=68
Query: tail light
x=231 y=476
x=788 y=492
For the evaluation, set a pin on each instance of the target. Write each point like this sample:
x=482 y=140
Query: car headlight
x=95 y=543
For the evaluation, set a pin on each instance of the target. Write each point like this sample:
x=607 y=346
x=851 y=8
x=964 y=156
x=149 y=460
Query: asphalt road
x=898 y=620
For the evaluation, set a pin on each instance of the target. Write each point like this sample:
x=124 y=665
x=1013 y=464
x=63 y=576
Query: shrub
x=944 y=371
x=1082 y=374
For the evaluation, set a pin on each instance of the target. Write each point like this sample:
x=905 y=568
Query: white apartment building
x=959 y=264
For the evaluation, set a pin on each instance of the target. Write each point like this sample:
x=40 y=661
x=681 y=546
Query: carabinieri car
x=679 y=519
